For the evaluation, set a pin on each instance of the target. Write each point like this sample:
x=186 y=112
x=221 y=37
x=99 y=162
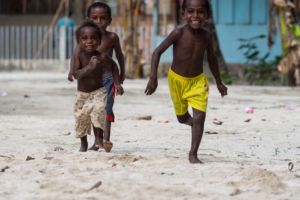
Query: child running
x=187 y=83
x=91 y=97
x=100 y=13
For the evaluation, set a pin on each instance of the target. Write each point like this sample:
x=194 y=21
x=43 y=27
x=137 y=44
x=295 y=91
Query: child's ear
x=182 y=13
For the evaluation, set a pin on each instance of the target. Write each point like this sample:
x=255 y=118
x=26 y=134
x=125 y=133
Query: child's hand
x=94 y=62
x=119 y=89
x=151 y=86
x=70 y=77
x=222 y=89
x=122 y=78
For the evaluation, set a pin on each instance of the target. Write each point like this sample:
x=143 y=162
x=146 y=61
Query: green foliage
x=226 y=78
x=260 y=70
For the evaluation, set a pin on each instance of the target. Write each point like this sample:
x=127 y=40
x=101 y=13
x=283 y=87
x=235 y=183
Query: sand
x=247 y=156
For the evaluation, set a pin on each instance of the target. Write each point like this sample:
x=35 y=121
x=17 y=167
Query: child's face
x=100 y=17
x=195 y=13
x=88 y=39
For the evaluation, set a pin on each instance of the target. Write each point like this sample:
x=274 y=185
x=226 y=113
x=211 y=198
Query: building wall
x=235 y=19
x=17 y=18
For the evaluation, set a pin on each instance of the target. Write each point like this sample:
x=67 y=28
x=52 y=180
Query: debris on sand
x=211 y=132
x=29 y=158
x=4 y=168
x=247 y=120
x=147 y=117
x=96 y=185
x=58 y=148
x=217 y=122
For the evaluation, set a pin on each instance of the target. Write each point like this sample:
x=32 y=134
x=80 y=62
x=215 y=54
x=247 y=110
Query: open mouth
x=195 y=22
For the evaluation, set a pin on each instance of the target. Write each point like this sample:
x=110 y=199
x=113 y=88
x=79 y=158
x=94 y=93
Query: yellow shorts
x=188 y=92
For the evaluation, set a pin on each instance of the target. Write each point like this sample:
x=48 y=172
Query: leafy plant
x=260 y=70
x=226 y=78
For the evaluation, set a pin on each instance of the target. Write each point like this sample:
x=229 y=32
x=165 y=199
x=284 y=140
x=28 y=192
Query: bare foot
x=96 y=147
x=107 y=145
x=194 y=159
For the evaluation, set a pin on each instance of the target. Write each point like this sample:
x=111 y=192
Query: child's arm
x=214 y=67
x=116 y=76
x=80 y=73
x=120 y=58
x=74 y=59
x=170 y=40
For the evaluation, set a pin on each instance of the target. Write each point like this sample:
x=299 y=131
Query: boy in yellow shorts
x=187 y=82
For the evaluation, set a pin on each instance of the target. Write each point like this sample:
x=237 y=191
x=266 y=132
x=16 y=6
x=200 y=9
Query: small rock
x=247 y=120
x=29 y=158
x=26 y=96
x=217 y=122
x=290 y=166
x=4 y=168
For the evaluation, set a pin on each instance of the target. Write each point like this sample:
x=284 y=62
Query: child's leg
x=109 y=86
x=107 y=145
x=185 y=119
x=197 y=132
x=107 y=131
x=84 y=144
x=98 y=143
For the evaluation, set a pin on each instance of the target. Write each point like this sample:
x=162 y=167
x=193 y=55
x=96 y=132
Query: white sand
x=245 y=160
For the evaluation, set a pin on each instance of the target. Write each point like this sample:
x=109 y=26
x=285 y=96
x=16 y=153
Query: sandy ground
x=247 y=157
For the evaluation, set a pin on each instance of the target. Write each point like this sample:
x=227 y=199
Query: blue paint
x=250 y=19
x=242 y=11
x=167 y=56
x=225 y=11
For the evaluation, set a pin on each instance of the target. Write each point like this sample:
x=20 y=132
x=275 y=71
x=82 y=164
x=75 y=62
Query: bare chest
x=107 y=45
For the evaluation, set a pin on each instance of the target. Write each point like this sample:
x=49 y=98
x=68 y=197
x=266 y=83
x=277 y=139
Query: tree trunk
x=130 y=25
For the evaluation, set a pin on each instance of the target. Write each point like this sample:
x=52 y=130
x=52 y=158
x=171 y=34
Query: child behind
x=91 y=96
x=187 y=82
x=100 y=13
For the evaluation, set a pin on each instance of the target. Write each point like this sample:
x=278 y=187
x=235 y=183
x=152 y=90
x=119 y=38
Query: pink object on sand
x=249 y=110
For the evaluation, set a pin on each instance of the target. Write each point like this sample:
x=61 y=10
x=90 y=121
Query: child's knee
x=183 y=119
x=199 y=117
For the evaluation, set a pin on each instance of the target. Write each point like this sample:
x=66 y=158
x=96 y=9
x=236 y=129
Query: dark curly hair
x=98 y=4
x=90 y=24
x=204 y=2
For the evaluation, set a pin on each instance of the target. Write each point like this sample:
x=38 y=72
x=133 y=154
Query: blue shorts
x=108 y=83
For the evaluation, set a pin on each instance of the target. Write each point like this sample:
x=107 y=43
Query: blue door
x=236 y=19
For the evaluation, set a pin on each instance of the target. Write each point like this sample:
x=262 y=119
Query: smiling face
x=88 y=39
x=100 y=16
x=195 y=13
